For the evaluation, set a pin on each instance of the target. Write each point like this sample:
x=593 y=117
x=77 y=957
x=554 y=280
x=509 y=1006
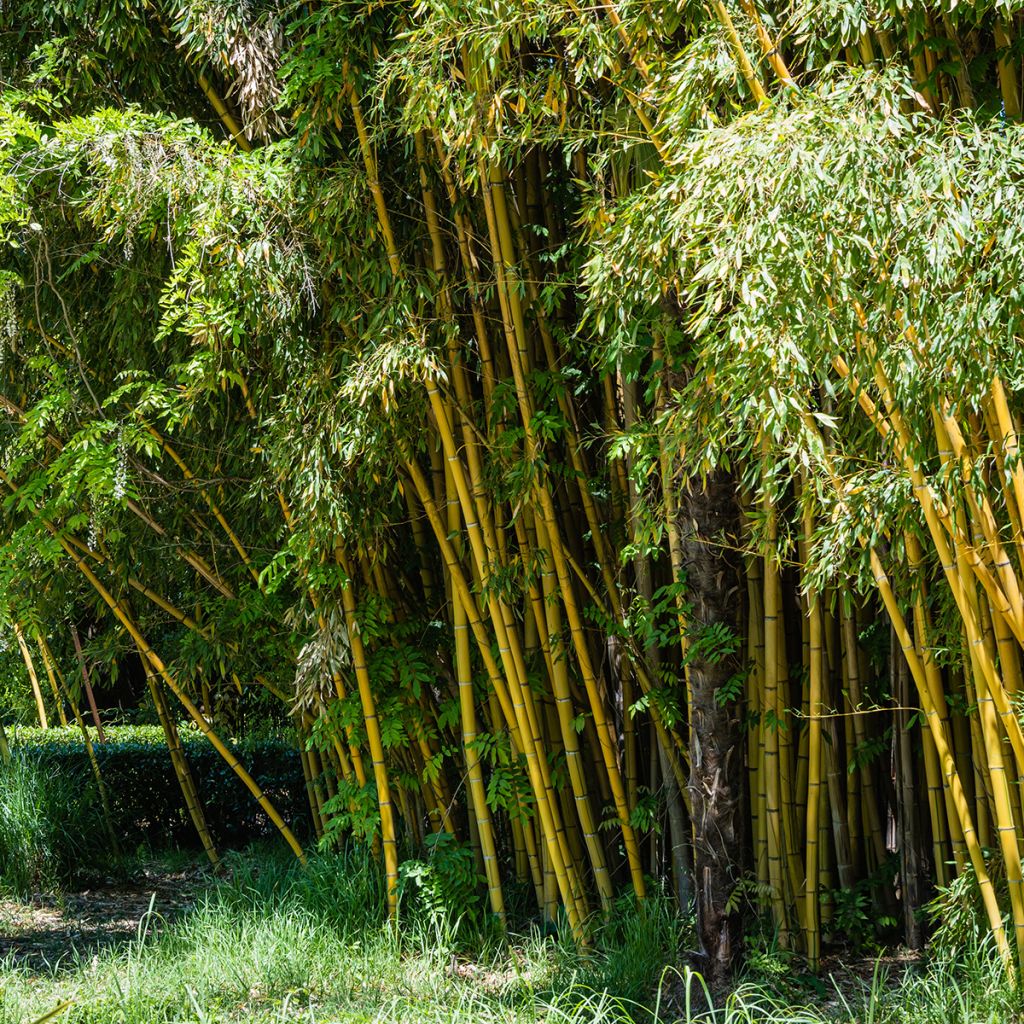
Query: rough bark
x=709 y=528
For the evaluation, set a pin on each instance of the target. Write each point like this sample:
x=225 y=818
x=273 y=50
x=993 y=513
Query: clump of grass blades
x=50 y=826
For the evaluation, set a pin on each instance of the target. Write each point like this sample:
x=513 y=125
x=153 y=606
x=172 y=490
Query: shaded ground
x=48 y=932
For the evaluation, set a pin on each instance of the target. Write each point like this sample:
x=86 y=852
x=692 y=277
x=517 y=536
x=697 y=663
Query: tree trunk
x=709 y=527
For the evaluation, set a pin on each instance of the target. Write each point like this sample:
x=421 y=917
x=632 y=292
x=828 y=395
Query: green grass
x=50 y=827
x=276 y=943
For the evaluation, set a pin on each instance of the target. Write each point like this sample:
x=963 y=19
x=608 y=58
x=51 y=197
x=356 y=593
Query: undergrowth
x=273 y=943
x=51 y=830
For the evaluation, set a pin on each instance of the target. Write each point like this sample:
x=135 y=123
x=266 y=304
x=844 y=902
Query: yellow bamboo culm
x=467 y=707
x=50 y=675
x=481 y=814
x=812 y=913
x=186 y=781
x=974 y=848
x=37 y=693
x=512 y=660
x=373 y=735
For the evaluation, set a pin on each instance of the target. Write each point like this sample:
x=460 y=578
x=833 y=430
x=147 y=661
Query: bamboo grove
x=593 y=430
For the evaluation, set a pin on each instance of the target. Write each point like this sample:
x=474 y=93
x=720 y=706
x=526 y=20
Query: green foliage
x=957 y=914
x=51 y=828
x=352 y=811
x=17 y=704
x=442 y=886
x=145 y=797
x=771 y=299
x=646 y=814
x=855 y=918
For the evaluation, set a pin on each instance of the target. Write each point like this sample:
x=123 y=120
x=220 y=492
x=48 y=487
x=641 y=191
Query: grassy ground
x=276 y=943
x=125 y=942
x=273 y=943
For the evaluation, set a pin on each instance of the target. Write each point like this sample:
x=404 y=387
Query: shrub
x=146 y=799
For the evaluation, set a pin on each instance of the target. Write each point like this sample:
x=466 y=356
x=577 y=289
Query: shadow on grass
x=49 y=934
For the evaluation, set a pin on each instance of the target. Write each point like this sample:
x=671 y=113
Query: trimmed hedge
x=145 y=796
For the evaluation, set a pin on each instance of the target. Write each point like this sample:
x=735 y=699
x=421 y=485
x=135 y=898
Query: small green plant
x=856 y=919
x=956 y=913
x=444 y=884
x=751 y=894
x=851 y=916
x=767 y=961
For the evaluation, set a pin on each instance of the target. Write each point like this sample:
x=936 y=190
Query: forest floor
x=261 y=941
x=48 y=930
x=167 y=942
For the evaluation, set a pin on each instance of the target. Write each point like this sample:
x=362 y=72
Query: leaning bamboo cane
x=161 y=669
x=37 y=693
x=90 y=750
x=48 y=666
x=509 y=650
x=180 y=764
x=87 y=686
x=501 y=241
x=974 y=849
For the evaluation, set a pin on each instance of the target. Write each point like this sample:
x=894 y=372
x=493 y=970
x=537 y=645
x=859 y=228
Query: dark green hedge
x=145 y=795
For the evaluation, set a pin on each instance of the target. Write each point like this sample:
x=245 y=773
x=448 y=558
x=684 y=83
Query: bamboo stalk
x=380 y=772
x=49 y=667
x=977 y=858
x=37 y=693
x=90 y=750
x=93 y=710
x=812 y=913
x=770 y=718
x=739 y=53
x=181 y=768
